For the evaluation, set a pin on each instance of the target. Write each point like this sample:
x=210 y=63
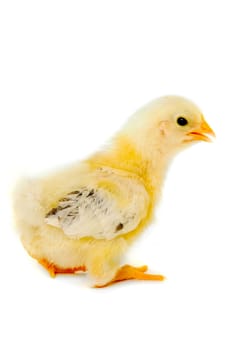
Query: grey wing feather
x=95 y=212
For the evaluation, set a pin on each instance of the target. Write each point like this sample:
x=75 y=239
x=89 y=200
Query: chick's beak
x=202 y=133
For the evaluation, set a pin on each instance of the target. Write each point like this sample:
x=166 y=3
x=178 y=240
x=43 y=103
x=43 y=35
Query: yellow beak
x=200 y=133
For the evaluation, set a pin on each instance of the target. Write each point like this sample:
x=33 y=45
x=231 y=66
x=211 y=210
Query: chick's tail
x=28 y=211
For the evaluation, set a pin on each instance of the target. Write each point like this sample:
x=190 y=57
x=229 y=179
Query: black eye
x=182 y=121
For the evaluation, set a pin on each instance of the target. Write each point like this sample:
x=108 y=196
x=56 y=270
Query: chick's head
x=170 y=123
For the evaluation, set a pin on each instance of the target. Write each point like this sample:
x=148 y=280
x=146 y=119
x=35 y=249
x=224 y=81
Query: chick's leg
x=103 y=260
x=128 y=272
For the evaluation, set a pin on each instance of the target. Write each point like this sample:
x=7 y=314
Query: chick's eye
x=182 y=121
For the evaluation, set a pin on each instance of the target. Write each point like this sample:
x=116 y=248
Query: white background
x=71 y=74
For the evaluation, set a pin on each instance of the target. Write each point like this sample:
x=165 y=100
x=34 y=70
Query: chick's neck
x=149 y=161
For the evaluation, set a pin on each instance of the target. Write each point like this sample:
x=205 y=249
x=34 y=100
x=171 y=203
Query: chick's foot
x=128 y=272
x=54 y=270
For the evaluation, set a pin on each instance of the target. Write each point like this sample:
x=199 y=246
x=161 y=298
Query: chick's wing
x=113 y=206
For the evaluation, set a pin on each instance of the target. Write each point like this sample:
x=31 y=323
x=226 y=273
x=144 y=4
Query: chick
x=85 y=217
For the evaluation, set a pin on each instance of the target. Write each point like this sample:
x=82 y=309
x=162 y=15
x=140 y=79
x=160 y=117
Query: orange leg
x=128 y=272
x=53 y=269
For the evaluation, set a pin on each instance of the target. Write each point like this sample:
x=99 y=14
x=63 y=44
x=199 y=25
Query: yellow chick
x=85 y=217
